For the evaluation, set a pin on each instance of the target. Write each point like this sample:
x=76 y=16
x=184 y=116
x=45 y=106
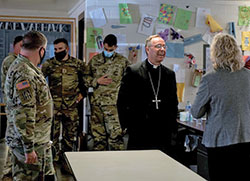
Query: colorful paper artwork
x=164 y=34
x=146 y=25
x=244 y=16
x=193 y=39
x=117 y=26
x=180 y=81
x=175 y=50
x=93 y=35
x=166 y=14
x=133 y=54
x=201 y=16
x=245 y=40
x=134 y=11
x=180 y=91
x=125 y=16
x=246 y=58
x=214 y=26
x=98 y=17
x=182 y=19
x=175 y=35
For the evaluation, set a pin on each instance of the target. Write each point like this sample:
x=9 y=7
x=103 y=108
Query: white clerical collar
x=154 y=66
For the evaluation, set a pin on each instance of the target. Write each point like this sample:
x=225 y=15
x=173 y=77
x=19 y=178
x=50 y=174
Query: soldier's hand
x=79 y=98
x=104 y=80
x=31 y=158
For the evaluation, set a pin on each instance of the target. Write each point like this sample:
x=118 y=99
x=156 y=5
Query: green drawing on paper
x=244 y=16
x=182 y=19
x=92 y=33
x=125 y=16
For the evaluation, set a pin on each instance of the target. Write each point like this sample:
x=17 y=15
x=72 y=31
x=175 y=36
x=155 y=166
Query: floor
x=60 y=176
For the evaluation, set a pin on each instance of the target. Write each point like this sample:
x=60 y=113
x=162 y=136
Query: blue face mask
x=108 y=54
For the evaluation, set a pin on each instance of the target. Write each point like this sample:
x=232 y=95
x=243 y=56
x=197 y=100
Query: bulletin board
x=52 y=28
x=181 y=22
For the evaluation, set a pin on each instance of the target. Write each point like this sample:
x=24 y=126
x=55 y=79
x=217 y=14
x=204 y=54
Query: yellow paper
x=180 y=91
x=245 y=40
x=214 y=26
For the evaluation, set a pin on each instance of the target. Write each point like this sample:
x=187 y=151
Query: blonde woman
x=224 y=96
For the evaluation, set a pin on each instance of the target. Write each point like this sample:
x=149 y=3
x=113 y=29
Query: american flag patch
x=23 y=85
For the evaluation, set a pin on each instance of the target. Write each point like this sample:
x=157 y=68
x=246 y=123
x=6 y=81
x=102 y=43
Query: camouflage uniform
x=5 y=66
x=29 y=107
x=4 y=69
x=65 y=82
x=104 y=123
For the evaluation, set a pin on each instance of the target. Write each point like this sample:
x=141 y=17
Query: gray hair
x=148 y=40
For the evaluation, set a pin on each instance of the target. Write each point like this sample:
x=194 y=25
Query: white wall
x=222 y=11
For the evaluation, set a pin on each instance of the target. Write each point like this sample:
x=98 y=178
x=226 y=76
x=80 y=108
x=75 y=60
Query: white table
x=148 y=165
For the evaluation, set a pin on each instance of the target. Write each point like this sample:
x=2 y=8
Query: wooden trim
x=37 y=19
x=2 y=104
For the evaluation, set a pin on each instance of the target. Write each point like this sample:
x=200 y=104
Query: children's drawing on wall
x=166 y=14
x=117 y=26
x=175 y=50
x=214 y=26
x=201 y=16
x=98 y=18
x=192 y=39
x=245 y=40
x=146 y=25
x=133 y=53
x=246 y=58
x=99 y=42
x=182 y=19
x=190 y=60
x=208 y=36
x=180 y=81
x=244 y=16
x=134 y=11
x=94 y=35
x=164 y=34
x=175 y=35
x=125 y=16
x=197 y=77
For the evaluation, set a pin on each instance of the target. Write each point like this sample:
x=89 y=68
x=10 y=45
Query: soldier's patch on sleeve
x=24 y=91
x=22 y=85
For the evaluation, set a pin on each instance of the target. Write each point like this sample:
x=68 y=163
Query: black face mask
x=60 y=55
x=41 y=57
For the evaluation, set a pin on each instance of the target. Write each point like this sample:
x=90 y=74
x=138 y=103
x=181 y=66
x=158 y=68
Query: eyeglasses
x=159 y=46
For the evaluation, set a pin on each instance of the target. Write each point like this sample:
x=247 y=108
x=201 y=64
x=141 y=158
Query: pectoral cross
x=156 y=102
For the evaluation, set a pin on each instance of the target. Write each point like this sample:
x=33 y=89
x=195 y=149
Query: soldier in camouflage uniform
x=29 y=107
x=104 y=73
x=64 y=74
x=7 y=171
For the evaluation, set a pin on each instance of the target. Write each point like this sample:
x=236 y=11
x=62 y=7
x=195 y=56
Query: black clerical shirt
x=148 y=127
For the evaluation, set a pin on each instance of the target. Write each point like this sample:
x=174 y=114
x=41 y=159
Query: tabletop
x=143 y=165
